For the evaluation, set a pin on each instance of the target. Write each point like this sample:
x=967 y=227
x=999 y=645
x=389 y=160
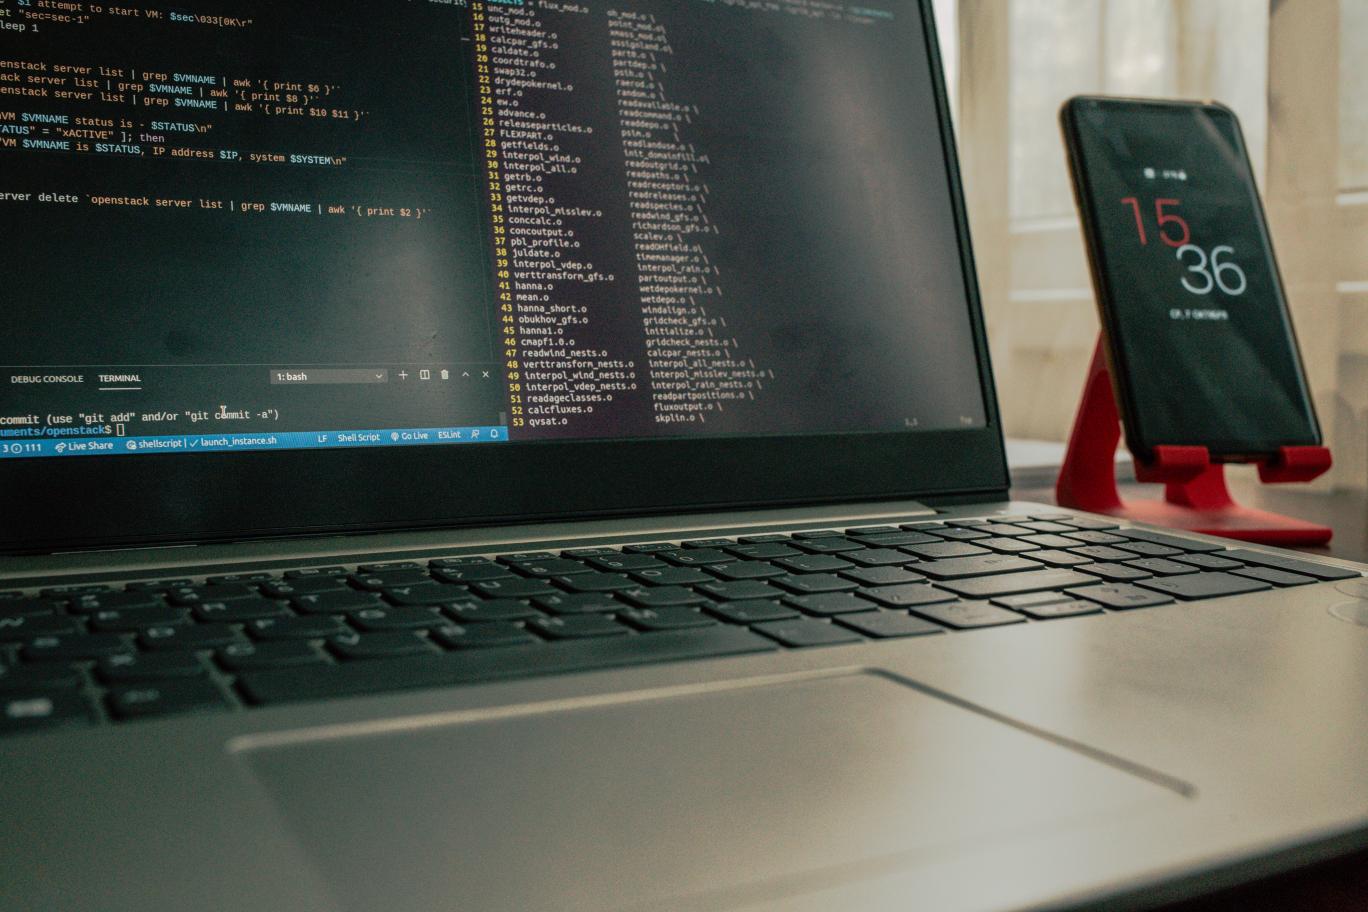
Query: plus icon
x=403 y=375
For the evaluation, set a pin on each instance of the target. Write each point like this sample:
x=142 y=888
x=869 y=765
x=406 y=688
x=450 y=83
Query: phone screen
x=1199 y=329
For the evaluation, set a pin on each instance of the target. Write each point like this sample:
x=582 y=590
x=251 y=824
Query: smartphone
x=1195 y=325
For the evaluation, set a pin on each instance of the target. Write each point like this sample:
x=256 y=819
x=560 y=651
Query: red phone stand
x=1195 y=493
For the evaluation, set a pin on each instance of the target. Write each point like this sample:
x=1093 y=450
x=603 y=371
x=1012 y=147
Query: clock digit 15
x=1193 y=313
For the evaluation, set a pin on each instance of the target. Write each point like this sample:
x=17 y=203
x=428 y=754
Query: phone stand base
x=1195 y=495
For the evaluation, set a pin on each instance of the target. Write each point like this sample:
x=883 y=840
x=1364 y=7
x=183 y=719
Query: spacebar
x=365 y=677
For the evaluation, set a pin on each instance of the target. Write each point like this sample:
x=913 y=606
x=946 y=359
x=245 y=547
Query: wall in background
x=1293 y=70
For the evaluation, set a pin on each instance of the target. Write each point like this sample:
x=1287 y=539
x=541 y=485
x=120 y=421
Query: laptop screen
x=248 y=225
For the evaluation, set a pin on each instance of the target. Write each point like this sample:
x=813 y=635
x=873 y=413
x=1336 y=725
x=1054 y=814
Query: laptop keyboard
x=94 y=653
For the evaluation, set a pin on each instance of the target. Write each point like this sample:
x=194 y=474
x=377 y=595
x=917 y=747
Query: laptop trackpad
x=646 y=801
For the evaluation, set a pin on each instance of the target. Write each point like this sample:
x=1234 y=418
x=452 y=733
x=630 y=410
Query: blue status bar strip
x=262 y=440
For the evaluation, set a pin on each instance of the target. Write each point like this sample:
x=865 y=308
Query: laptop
x=543 y=455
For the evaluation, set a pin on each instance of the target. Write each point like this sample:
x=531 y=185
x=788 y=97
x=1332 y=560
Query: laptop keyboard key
x=979 y=565
x=676 y=576
x=525 y=557
x=897 y=539
x=1171 y=541
x=1057 y=558
x=944 y=549
x=960 y=534
x=966 y=615
x=907 y=595
x=1291 y=565
x=241 y=657
x=388 y=645
x=1160 y=566
x=738 y=590
x=193 y=595
x=472 y=573
x=248 y=609
x=1011 y=583
x=26 y=607
x=374 y=582
x=75 y=589
x=466 y=560
x=471 y=665
x=1116 y=573
x=803 y=632
x=1029 y=600
x=581 y=553
x=1148 y=549
x=110 y=601
x=145 y=700
x=1102 y=553
x=25 y=627
x=1065 y=608
x=886 y=624
x=879 y=557
x=311 y=627
x=1048 y=526
x=192 y=636
x=373 y=620
x=513 y=588
x=598 y=582
x=577 y=603
x=1049 y=541
x=1276 y=577
x=36 y=709
x=482 y=636
x=1088 y=523
x=75 y=647
x=1208 y=561
x=814 y=563
x=1089 y=537
x=339 y=602
x=556 y=566
x=661 y=596
x=1122 y=596
x=1007 y=545
x=696 y=557
x=812 y=583
x=829 y=603
x=751 y=612
x=1204 y=585
x=743 y=570
x=829 y=546
x=40 y=676
x=1003 y=528
x=259 y=576
x=883 y=576
x=425 y=594
x=762 y=551
x=389 y=567
x=130 y=667
x=621 y=563
x=130 y=619
x=677 y=618
x=474 y=611
x=291 y=588
x=576 y=626
x=315 y=572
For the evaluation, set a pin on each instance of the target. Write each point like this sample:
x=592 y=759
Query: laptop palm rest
x=700 y=800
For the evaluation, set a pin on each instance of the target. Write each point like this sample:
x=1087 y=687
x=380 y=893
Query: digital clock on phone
x=1194 y=319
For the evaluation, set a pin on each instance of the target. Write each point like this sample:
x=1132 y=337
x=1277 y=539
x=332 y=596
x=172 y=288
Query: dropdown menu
x=304 y=376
